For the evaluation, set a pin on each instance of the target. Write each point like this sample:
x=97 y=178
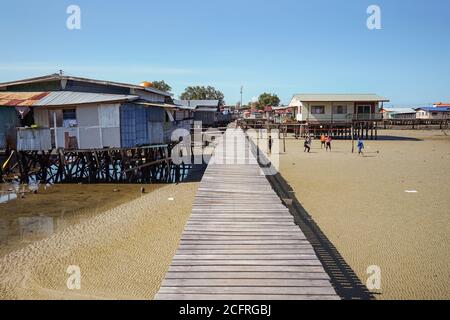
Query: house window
x=69 y=118
x=366 y=109
x=434 y=113
x=70 y=114
x=317 y=110
x=341 y=110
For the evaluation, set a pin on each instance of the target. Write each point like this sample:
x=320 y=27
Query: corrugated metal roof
x=205 y=109
x=185 y=107
x=155 y=104
x=339 y=97
x=198 y=103
x=440 y=104
x=282 y=108
x=400 y=110
x=181 y=104
x=21 y=99
x=59 y=98
x=435 y=109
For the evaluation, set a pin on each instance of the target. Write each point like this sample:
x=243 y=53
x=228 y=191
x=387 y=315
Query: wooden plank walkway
x=241 y=242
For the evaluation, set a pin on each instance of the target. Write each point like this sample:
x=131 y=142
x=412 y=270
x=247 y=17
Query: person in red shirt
x=323 y=140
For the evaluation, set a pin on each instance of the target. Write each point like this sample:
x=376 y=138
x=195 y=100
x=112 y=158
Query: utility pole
x=242 y=90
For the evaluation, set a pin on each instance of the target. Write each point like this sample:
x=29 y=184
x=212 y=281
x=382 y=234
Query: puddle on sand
x=38 y=216
x=7 y=196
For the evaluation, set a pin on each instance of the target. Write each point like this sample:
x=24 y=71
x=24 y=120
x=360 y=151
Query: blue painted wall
x=134 y=121
x=8 y=124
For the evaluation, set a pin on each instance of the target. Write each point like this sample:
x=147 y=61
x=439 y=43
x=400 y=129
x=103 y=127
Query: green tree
x=268 y=99
x=254 y=105
x=202 y=93
x=162 y=85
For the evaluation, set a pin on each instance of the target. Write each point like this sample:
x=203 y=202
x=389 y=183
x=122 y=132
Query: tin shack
x=60 y=111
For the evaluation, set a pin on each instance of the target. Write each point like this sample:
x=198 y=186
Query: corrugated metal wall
x=98 y=127
x=206 y=117
x=34 y=139
x=8 y=124
x=134 y=124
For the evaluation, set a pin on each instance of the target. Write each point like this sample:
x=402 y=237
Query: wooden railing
x=344 y=117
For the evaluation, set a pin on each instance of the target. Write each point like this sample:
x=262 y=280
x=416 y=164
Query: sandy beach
x=388 y=208
x=123 y=248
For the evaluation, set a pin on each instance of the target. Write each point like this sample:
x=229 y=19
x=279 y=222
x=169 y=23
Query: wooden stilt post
x=353 y=138
x=376 y=130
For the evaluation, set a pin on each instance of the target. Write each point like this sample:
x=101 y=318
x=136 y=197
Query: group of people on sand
x=325 y=142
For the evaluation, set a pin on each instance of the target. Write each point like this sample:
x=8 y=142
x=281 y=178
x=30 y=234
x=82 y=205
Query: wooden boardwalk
x=241 y=242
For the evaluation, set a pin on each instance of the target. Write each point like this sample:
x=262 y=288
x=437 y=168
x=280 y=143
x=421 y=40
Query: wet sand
x=361 y=205
x=23 y=221
x=123 y=243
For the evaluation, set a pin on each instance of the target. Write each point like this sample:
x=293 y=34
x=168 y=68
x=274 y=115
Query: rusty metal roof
x=21 y=99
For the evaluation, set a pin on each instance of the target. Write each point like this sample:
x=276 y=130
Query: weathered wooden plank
x=245 y=251
x=241 y=237
x=251 y=290
x=241 y=242
x=240 y=268
x=240 y=232
x=239 y=246
x=262 y=282
x=243 y=216
x=248 y=275
x=243 y=191
x=237 y=215
x=244 y=228
x=245 y=257
x=242 y=297
x=242 y=224
x=239 y=210
x=305 y=262
x=220 y=221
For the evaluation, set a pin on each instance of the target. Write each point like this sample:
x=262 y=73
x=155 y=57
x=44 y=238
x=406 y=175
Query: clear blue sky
x=284 y=46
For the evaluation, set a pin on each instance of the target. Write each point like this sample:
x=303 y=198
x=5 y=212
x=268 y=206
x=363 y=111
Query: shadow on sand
x=396 y=138
x=195 y=174
x=344 y=280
